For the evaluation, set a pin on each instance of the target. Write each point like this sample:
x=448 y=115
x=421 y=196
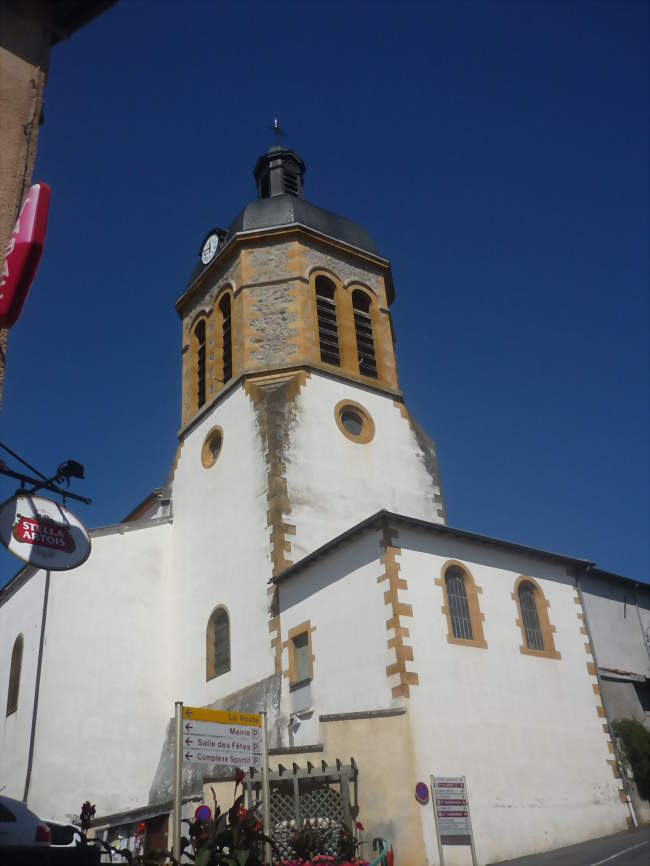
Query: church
x=298 y=560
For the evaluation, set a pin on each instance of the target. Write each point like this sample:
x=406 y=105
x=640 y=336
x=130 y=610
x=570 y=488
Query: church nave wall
x=104 y=696
x=20 y=614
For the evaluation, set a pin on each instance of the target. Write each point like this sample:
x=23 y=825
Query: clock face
x=209 y=249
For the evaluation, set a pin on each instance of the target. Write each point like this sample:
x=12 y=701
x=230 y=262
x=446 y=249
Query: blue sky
x=496 y=153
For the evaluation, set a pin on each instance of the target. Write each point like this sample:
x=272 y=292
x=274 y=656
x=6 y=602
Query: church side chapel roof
x=383 y=517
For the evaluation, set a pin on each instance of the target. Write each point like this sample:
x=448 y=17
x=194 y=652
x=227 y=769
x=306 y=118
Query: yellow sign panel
x=222 y=717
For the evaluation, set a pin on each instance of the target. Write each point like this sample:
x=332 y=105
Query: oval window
x=211 y=449
x=354 y=422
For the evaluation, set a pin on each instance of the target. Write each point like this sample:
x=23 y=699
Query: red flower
x=241 y=813
x=240 y=775
x=141 y=828
x=360 y=826
x=258 y=827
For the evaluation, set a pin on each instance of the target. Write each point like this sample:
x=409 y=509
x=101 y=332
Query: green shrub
x=636 y=744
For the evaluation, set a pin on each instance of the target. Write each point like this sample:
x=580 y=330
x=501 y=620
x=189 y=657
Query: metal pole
x=469 y=821
x=435 y=818
x=619 y=763
x=37 y=689
x=178 y=777
x=266 y=792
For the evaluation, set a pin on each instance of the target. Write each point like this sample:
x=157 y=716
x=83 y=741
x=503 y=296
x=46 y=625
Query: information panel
x=450 y=803
x=222 y=737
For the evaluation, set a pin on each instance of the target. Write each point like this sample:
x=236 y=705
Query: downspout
x=644 y=635
x=612 y=735
x=37 y=688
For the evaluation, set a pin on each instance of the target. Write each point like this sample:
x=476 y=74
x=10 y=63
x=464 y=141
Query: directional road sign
x=222 y=737
x=451 y=805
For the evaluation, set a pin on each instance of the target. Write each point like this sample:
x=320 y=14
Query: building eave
x=383 y=517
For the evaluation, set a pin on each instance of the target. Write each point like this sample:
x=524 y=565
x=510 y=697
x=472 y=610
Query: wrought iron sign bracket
x=67 y=470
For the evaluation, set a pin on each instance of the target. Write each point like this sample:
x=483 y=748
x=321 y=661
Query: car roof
x=18 y=807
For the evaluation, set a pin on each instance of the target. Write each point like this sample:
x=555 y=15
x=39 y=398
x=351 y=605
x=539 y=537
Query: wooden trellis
x=325 y=796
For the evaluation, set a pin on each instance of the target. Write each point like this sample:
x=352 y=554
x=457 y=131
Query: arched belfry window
x=14 y=675
x=328 y=333
x=226 y=337
x=536 y=629
x=199 y=335
x=217 y=644
x=364 y=335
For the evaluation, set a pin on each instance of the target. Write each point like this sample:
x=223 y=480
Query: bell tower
x=293 y=425
x=288 y=284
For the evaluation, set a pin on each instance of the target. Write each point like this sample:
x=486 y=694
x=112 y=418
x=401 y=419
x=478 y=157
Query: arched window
x=363 y=331
x=199 y=334
x=14 y=675
x=536 y=629
x=217 y=644
x=328 y=334
x=461 y=607
x=461 y=624
x=529 y=616
x=226 y=337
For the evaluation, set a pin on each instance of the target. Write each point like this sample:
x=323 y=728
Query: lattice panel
x=283 y=819
x=321 y=805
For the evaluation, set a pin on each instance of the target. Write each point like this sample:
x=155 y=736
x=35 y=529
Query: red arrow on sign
x=187 y=756
x=188 y=727
x=188 y=741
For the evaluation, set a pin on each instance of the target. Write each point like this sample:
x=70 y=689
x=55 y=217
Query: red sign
x=42 y=531
x=23 y=254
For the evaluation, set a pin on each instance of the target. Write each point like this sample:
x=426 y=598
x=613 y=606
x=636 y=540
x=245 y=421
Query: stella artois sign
x=23 y=253
x=43 y=533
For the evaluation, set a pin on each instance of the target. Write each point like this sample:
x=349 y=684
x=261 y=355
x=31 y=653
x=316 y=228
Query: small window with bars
x=530 y=617
x=226 y=335
x=14 y=675
x=328 y=335
x=300 y=657
x=218 y=644
x=364 y=335
x=461 y=623
x=199 y=334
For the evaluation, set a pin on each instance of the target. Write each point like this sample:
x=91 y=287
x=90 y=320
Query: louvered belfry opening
x=199 y=334
x=279 y=171
x=363 y=331
x=224 y=306
x=530 y=617
x=461 y=624
x=328 y=335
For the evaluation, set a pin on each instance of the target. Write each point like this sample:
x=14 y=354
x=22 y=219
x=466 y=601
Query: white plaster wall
x=616 y=626
x=334 y=483
x=523 y=730
x=104 y=702
x=221 y=555
x=340 y=596
x=20 y=614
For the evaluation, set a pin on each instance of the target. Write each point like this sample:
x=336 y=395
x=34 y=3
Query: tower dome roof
x=279 y=175
x=286 y=209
